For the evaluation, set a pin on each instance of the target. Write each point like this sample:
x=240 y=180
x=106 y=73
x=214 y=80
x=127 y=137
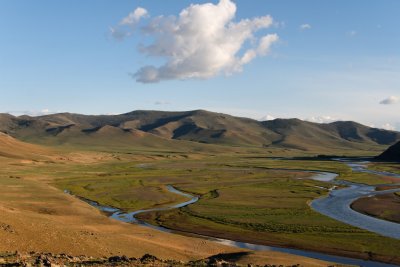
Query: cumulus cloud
x=305 y=26
x=322 y=119
x=202 y=42
x=128 y=24
x=390 y=100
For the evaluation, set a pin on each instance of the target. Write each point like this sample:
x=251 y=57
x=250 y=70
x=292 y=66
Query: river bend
x=336 y=205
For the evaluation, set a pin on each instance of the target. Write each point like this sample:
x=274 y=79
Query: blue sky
x=330 y=59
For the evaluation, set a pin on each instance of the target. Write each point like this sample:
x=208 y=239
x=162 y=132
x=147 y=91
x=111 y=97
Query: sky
x=316 y=60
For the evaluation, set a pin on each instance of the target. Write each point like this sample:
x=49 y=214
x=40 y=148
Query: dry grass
x=385 y=207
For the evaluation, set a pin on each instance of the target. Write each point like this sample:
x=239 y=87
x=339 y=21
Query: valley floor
x=242 y=198
x=38 y=216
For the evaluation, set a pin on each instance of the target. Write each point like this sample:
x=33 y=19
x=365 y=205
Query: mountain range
x=164 y=129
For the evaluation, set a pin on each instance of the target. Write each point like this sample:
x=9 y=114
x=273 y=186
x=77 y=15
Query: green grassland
x=273 y=209
x=387 y=167
x=253 y=199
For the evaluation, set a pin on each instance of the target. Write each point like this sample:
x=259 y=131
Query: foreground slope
x=15 y=149
x=391 y=154
x=157 y=128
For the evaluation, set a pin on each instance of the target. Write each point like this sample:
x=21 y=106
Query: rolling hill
x=163 y=129
x=12 y=148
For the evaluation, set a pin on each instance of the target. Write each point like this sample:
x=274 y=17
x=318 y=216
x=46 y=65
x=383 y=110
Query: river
x=336 y=205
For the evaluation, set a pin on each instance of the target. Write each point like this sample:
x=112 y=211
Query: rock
x=148 y=258
x=124 y=258
x=118 y=259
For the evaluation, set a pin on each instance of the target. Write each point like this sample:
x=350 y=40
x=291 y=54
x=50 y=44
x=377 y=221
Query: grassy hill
x=345 y=135
x=159 y=129
x=15 y=149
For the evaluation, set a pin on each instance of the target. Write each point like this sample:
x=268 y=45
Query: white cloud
x=202 y=42
x=128 y=24
x=33 y=113
x=265 y=44
x=390 y=100
x=134 y=17
x=322 y=119
x=388 y=126
x=305 y=26
x=267 y=118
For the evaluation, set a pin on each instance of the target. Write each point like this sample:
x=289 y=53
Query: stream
x=336 y=205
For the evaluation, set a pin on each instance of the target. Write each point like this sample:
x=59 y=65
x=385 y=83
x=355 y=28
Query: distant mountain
x=391 y=154
x=305 y=135
x=153 y=128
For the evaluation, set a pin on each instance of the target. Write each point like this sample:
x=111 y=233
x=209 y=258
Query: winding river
x=336 y=205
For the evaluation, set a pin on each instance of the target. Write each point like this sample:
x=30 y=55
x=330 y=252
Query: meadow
x=384 y=166
x=247 y=198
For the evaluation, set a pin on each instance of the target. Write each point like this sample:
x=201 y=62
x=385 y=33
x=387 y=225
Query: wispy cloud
x=390 y=100
x=128 y=24
x=305 y=26
x=162 y=102
x=351 y=33
x=42 y=112
x=202 y=42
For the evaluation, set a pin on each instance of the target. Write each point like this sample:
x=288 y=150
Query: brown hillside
x=12 y=148
x=197 y=126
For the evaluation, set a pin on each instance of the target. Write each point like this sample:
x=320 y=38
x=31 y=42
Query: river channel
x=336 y=205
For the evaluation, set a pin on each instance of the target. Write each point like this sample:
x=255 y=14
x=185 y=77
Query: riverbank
x=16 y=259
x=385 y=207
x=141 y=217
